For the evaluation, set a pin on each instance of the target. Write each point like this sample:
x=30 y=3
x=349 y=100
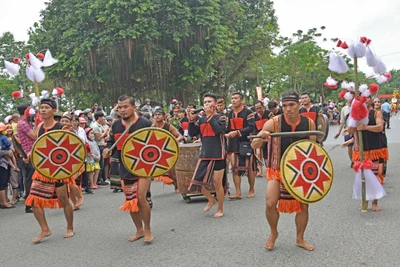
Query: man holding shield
x=277 y=198
x=135 y=188
x=46 y=192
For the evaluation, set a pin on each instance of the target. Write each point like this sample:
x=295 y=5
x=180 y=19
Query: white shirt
x=81 y=134
x=266 y=101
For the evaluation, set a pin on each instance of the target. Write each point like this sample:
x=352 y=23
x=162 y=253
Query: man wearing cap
x=278 y=199
x=45 y=192
x=135 y=188
x=27 y=136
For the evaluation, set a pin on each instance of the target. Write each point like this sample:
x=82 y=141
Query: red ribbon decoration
x=365 y=165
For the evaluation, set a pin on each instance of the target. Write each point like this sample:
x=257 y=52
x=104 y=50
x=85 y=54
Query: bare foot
x=250 y=194
x=218 y=214
x=42 y=235
x=137 y=236
x=305 y=245
x=79 y=202
x=76 y=208
x=375 y=207
x=69 y=233
x=209 y=205
x=270 y=243
x=235 y=196
x=148 y=237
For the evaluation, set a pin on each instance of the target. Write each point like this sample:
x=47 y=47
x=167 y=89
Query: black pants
x=29 y=170
x=84 y=180
x=387 y=119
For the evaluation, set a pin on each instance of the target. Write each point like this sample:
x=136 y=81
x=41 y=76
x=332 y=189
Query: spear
x=360 y=146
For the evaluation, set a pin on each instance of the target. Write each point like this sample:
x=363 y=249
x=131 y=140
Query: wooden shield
x=150 y=152
x=17 y=146
x=323 y=126
x=306 y=171
x=58 y=154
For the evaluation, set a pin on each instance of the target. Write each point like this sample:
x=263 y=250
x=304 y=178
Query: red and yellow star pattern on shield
x=58 y=154
x=150 y=152
x=307 y=171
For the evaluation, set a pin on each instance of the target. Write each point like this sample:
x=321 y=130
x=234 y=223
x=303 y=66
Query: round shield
x=306 y=171
x=58 y=154
x=323 y=126
x=150 y=152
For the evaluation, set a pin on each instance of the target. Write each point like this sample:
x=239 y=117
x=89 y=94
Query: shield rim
x=326 y=130
x=285 y=183
x=53 y=132
x=149 y=129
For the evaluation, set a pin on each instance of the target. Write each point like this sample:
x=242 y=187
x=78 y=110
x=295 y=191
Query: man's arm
x=176 y=134
x=32 y=134
x=264 y=133
x=217 y=124
x=250 y=125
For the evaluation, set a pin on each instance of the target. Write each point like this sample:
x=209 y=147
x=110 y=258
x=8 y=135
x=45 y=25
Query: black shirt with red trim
x=211 y=130
x=117 y=129
x=261 y=120
x=304 y=124
x=57 y=126
x=311 y=113
x=243 y=122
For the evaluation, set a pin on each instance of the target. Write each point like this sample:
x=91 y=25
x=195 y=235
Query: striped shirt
x=24 y=128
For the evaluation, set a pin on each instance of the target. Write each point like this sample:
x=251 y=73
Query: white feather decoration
x=380 y=67
x=343 y=68
x=35 y=101
x=371 y=59
x=374 y=189
x=332 y=62
x=45 y=94
x=330 y=81
x=363 y=87
x=39 y=75
x=352 y=86
x=32 y=111
x=337 y=63
x=360 y=50
x=348 y=96
x=54 y=92
x=32 y=95
x=30 y=73
x=345 y=85
x=12 y=68
x=366 y=93
x=381 y=79
x=35 y=62
x=351 y=50
x=48 y=59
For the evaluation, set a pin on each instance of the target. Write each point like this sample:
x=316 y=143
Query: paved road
x=185 y=236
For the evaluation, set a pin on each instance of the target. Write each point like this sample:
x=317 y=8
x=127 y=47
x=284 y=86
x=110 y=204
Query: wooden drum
x=185 y=166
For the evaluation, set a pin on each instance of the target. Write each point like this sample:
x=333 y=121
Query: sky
x=344 y=19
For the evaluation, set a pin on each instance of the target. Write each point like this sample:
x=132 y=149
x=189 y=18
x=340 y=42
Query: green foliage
x=152 y=48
